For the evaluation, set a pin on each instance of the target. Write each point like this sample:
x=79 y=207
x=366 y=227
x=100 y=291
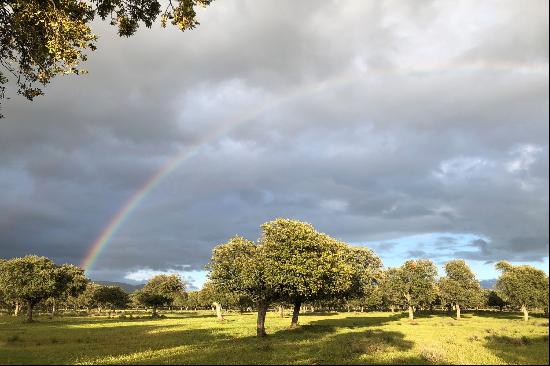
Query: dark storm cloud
x=398 y=120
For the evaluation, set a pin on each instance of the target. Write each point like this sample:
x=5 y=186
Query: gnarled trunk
x=30 y=305
x=457 y=311
x=525 y=312
x=295 y=314
x=260 y=323
x=219 y=314
x=411 y=313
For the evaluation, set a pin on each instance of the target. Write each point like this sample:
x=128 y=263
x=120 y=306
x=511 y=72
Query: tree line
x=290 y=264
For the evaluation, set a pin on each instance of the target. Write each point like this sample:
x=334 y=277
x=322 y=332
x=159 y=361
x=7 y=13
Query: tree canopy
x=32 y=279
x=303 y=264
x=161 y=290
x=291 y=262
x=41 y=39
x=110 y=297
x=522 y=286
x=412 y=284
x=459 y=287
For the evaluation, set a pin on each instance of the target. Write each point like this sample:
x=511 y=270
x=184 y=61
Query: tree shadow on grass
x=358 y=321
x=519 y=350
x=320 y=313
x=322 y=341
x=309 y=344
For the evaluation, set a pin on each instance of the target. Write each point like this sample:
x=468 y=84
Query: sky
x=418 y=129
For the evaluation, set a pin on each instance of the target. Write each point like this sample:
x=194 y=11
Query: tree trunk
x=392 y=308
x=411 y=313
x=154 y=312
x=260 y=324
x=17 y=308
x=53 y=309
x=219 y=311
x=362 y=309
x=281 y=311
x=295 y=314
x=30 y=305
x=457 y=311
x=525 y=312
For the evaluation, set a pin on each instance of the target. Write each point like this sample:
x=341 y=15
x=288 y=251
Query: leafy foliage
x=32 y=279
x=110 y=297
x=460 y=286
x=303 y=264
x=522 y=286
x=41 y=39
x=412 y=284
x=161 y=290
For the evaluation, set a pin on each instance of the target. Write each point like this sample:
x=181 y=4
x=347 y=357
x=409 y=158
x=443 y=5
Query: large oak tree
x=523 y=286
x=32 y=279
x=412 y=284
x=459 y=287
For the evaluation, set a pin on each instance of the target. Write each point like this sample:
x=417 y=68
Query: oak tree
x=160 y=290
x=239 y=266
x=303 y=264
x=459 y=287
x=522 y=286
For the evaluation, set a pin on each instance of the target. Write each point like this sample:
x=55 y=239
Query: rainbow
x=172 y=164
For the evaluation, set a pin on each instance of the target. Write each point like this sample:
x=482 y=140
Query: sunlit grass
x=352 y=338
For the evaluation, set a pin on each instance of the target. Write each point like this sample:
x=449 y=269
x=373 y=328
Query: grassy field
x=350 y=338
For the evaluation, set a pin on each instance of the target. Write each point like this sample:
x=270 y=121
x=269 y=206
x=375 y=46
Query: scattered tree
x=494 y=298
x=459 y=287
x=364 y=290
x=523 y=286
x=109 y=297
x=32 y=279
x=303 y=264
x=161 y=290
x=238 y=266
x=413 y=284
x=71 y=282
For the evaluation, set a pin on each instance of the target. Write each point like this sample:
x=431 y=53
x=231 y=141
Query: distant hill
x=488 y=283
x=125 y=286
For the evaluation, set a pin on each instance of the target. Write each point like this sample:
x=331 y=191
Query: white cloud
x=525 y=156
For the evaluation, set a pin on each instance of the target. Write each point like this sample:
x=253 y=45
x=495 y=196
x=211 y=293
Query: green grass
x=349 y=338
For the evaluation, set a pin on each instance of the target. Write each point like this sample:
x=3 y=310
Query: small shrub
x=433 y=355
x=512 y=341
x=474 y=338
x=13 y=338
x=368 y=347
x=264 y=346
x=388 y=338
